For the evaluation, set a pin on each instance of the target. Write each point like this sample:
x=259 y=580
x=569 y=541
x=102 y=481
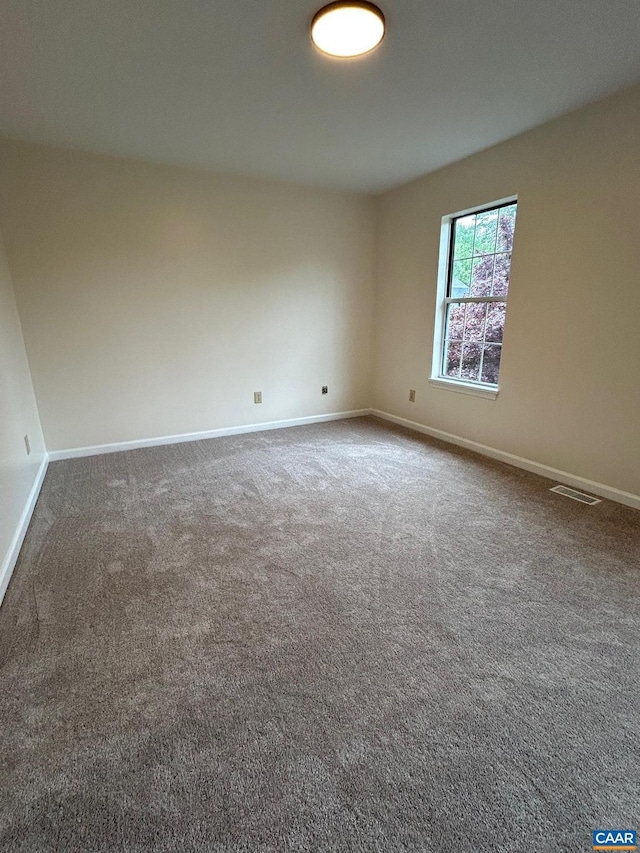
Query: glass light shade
x=348 y=28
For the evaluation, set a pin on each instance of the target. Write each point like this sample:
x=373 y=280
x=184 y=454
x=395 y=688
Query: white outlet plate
x=257 y=396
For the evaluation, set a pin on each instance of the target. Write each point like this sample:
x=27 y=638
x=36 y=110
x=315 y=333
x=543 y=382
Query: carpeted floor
x=341 y=637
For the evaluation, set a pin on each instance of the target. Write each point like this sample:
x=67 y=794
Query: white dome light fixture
x=348 y=28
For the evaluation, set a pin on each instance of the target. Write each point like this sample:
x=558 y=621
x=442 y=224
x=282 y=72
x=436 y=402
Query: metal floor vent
x=575 y=495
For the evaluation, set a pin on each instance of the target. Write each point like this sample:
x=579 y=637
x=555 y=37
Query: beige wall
x=18 y=417
x=570 y=376
x=155 y=300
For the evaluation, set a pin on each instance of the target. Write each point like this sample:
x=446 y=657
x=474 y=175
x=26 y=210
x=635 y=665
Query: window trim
x=473 y=389
x=445 y=261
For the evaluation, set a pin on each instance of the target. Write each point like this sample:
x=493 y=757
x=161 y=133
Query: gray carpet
x=341 y=637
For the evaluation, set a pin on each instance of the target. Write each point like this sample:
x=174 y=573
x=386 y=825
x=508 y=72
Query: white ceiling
x=235 y=85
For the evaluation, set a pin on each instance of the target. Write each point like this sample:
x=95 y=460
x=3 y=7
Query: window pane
x=461 y=278
x=501 y=274
x=455 y=322
x=496 y=313
x=471 y=355
x=452 y=359
x=463 y=237
x=506 y=227
x=482 y=276
x=475 y=321
x=486 y=225
x=482 y=243
x=491 y=363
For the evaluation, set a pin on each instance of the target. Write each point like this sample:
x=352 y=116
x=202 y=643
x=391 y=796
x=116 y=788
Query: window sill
x=473 y=389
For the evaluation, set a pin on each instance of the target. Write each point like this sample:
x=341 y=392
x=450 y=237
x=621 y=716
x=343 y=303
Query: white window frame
x=475 y=389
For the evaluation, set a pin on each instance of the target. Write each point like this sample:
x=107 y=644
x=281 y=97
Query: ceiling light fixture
x=348 y=28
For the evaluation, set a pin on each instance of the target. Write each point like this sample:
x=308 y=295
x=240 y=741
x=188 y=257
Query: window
x=472 y=299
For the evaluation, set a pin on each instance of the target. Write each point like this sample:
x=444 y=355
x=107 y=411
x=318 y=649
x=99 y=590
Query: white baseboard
x=11 y=558
x=96 y=450
x=585 y=485
x=604 y=491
